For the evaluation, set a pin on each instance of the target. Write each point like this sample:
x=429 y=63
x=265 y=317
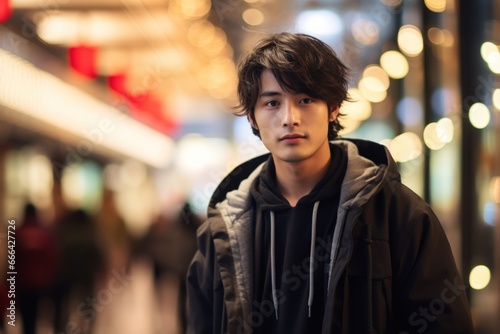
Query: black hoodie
x=390 y=268
x=284 y=259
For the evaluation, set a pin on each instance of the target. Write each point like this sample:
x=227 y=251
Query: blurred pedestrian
x=82 y=263
x=37 y=260
x=170 y=244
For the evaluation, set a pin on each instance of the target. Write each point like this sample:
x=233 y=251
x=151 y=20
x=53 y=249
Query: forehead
x=268 y=82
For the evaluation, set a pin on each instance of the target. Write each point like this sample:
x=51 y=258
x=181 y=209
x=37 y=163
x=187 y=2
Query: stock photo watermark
x=88 y=309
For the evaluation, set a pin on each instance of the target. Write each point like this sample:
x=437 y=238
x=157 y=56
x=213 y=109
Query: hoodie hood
x=265 y=188
x=367 y=162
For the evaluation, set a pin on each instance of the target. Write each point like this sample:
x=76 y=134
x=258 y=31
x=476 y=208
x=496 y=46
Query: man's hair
x=301 y=64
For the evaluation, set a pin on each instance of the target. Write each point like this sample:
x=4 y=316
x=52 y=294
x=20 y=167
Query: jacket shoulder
x=234 y=178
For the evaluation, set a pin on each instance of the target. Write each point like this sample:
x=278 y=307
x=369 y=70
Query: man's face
x=293 y=127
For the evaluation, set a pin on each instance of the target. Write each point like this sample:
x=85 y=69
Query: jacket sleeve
x=429 y=295
x=204 y=304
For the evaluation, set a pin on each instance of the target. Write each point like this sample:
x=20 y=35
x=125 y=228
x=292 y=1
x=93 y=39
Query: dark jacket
x=391 y=269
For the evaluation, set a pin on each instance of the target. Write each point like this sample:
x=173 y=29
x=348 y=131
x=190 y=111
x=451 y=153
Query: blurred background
x=116 y=125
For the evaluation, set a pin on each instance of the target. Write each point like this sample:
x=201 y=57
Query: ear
x=334 y=113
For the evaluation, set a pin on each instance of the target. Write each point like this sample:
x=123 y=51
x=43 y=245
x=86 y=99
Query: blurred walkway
x=133 y=310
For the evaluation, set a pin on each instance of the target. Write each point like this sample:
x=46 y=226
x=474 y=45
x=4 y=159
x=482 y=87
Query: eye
x=306 y=100
x=272 y=104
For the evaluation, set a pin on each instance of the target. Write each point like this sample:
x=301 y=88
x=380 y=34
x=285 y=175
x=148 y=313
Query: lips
x=291 y=137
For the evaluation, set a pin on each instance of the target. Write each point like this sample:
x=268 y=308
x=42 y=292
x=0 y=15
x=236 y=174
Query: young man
x=319 y=236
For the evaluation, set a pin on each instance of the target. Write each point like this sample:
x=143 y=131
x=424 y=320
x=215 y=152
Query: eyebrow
x=269 y=93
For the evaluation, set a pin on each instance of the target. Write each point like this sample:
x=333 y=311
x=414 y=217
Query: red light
x=5 y=10
x=145 y=107
x=83 y=60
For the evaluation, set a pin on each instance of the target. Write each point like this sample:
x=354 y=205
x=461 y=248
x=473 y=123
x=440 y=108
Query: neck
x=297 y=179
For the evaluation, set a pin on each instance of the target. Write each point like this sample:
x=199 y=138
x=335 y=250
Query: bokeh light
x=409 y=111
x=489 y=213
x=488 y=49
x=358 y=108
x=365 y=31
x=253 y=16
x=479 y=115
x=431 y=138
x=410 y=40
x=494 y=62
x=445 y=130
x=394 y=64
x=495 y=189
x=479 y=277
x=496 y=98
x=405 y=147
x=377 y=72
x=437 y=6
x=321 y=23
x=372 y=89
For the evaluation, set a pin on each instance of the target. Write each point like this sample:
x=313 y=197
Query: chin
x=295 y=157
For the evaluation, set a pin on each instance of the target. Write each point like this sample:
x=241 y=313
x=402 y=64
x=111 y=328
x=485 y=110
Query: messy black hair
x=301 y=64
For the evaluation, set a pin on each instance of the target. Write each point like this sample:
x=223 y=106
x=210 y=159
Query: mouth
x=291 y=137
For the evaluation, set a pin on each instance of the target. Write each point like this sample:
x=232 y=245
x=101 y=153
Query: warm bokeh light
x=405 y=147
x=253 y=16
x=195 y=154
x=359 y=108
x=488 y=49
x=479 y=115
x=59 y=29
x=217 y=44
x=437 y=6
x=479 y=277
x=442 y=37
x=449 y=39
x=218 y=77
x=372 y=89
x=201 y=33
x=192 y=9
x=104 y=27
x=495 y=189
x=445 y=130
x=374 y=83
x=365 y=31
x=496 y=99
x=394 y=64
x=378 y=73
x=350 y=125
x=431 y=138
x=435 y=35
x=494 y=62
x=491 y=55
x=321 y=23
x=410 y=40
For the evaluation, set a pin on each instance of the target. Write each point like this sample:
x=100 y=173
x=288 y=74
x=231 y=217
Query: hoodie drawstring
x=311 y=259
x=273 y=265
x=311 y=256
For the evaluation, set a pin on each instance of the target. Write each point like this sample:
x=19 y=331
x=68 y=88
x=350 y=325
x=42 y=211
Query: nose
x=291 y=115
